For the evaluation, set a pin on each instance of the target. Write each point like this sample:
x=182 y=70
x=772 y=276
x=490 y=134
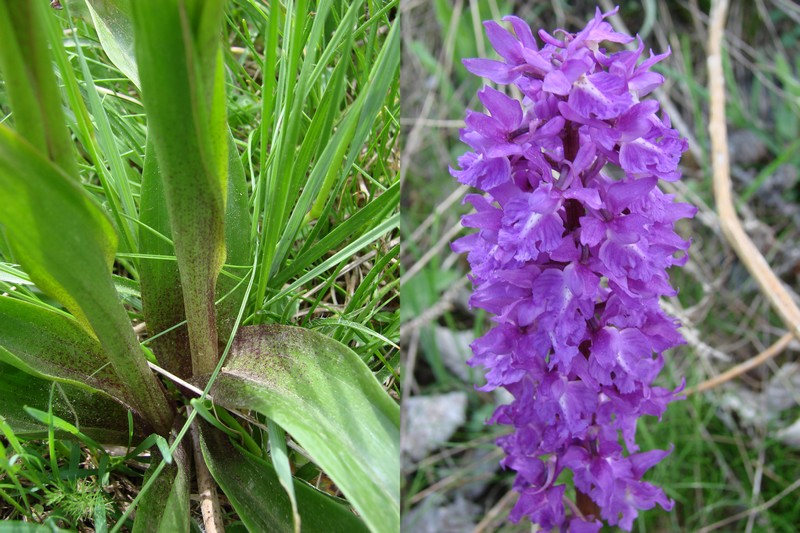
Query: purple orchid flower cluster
x=571 y=261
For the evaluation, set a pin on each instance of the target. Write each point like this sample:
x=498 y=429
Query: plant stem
x=209 y=503
x=586 y=505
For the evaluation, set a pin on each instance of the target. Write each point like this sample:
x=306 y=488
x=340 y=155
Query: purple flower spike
x=572 y=262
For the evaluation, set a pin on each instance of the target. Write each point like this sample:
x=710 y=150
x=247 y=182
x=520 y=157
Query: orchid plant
x=150 y=214
x=573 y=242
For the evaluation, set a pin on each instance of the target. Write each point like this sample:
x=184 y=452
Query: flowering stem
x=571 y=141
x=574 y=211
x=573 y=267
x=586 y=505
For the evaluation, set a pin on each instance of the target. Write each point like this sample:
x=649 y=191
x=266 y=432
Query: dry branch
x=771 y=287
x=209 y=503
x=741 y=368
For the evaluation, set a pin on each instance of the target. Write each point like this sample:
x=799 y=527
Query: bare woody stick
x=209 y=503
x=772 y=288
x=741 y=368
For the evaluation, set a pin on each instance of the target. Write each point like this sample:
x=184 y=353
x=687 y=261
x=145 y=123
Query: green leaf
x=92 y=412
x=162 y=295
x=280 y=461
x=66 y=244
x=165 y=505
x=253 y=487
x=324 y=395
x=60 y=235
x=31 y=84
x=112 y=21
x=52 y=345
x=237 y=243
x=184 y=96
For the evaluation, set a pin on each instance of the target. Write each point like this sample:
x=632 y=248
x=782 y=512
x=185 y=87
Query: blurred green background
x=736 y=462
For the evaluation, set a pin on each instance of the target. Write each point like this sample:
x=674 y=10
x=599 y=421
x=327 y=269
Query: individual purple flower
x=515 y=52
x=573 y=242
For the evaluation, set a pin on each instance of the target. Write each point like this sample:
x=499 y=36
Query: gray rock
x=783 y=390
x=790 y=435
x=432 y=515
x=755 y=409
x=429 y=421
x=455 y=351
x=746 y=148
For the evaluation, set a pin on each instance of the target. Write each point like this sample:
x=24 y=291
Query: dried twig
x=209 y=503
x=432 y=252
x=502 y=506
x=771 y=287
x=741 y=368
x=442 y=305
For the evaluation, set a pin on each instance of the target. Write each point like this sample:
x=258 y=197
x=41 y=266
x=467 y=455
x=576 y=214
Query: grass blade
x=122 y=195
x=344 y=254
x=280 y=460
x=85 y=128
x=377 y=209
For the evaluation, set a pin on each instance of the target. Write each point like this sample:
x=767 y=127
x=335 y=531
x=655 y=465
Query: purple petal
x=495 y=172
x=504 y=109
x=537 y=63
x=600 y=95
x=623 y=193
x=644 y=83
x=496 y=71
x=576 y=525
x=637 y=121
x=557 y=83
x=503 y=42
x=593 y=231
x=523 y=31
x=642 y=462
x=485 y=126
